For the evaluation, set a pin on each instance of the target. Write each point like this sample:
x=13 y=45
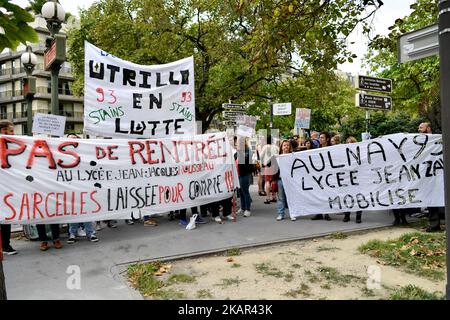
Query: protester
x=259 y=174
x=42 y=232
x=336 y=139
x=358 y=213
x=245 y=170
x=309 y=144
x=88 y=226
x=315 y=139
x=268 y=153
x=400 y=216
x=434 y=213
x=7 y=128
x=285 y=148
x=325 y=141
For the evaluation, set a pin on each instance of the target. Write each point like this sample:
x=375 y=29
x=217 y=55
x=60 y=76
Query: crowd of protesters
x=262 y=166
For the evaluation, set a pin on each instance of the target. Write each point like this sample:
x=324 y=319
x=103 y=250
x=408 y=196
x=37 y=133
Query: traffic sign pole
x=444 y=53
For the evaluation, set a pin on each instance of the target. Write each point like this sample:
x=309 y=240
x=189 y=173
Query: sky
x=383 y=19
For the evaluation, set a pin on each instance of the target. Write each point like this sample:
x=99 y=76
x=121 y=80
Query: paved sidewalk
x=32 y=274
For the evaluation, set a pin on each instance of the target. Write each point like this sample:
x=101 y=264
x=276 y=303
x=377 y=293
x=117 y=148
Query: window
x=3 y=112
x=2 y=69
x=70 y=126
x=23 y=109
x=66 y=109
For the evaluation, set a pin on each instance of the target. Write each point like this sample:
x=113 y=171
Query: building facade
x=13 y=105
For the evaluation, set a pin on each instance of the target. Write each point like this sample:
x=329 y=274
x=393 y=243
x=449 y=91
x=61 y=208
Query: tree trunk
x=2 y=283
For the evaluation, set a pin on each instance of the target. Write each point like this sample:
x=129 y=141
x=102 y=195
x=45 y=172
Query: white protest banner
x=246 y=126
x=302 y=118
x=49 y=124
x=395 y=171
x=127 y=100
x=53 y=180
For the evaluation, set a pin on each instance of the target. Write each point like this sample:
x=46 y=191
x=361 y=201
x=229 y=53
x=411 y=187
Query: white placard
x=395 y=171
x=246 y=126
x=53 y=180
x=282 y=109
x=127 y=100
x=50 y=124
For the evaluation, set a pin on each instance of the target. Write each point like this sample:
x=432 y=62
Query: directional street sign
x=232 y=115
x=374 y=84
x=418 y=44
x=370 y=101
x=234 y=106
x=230 y=123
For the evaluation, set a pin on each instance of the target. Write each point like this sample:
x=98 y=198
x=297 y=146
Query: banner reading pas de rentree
x=127 y=100
x=395 y=171
x=50 y=180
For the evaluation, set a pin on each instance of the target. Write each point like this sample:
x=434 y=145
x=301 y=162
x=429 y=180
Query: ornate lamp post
x=29 y=61
x=55 y=55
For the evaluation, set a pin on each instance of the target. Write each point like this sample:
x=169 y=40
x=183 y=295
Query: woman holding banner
x=325 y=141
x=358 y=213
x=286 y=147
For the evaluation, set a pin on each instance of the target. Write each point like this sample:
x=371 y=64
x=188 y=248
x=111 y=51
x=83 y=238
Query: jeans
x=281 y=199
x=88 y=227
x=244 y=191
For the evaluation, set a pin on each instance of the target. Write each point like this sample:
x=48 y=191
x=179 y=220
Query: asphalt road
x=32 y=274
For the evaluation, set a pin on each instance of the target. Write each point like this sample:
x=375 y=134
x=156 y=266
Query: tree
x=14 y=28
x=416 y=83
x=239 y=47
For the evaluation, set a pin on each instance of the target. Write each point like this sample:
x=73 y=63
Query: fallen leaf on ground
x=230 y=259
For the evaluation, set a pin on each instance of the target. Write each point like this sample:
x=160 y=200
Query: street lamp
x=55 y=55
x=29 y=61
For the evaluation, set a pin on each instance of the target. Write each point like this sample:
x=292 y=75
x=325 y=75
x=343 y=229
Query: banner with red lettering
x=56 y=180
x=394 y=171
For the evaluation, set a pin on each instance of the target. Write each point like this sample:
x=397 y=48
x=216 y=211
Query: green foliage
x=412 y=292
x=36 y=5
x=241 y=49
x=14 y=23
x=419 y=253
x=416 y=83
x=381 y=123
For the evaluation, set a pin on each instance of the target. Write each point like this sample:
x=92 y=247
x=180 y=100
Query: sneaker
x=240 y=211
x=293 y=219
x=199 y=220
x=229 y=217
x=72 y=239
x=217 y=219
x=81 y=232
x=112 y=225
x=98 y=226
x=57 y=244
x=93 y=238
x=44 y=246
x=280 y=217
x=129 y=222
x=150 y=223
x=183 y=222
x=9 y=250
x=247 y=213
